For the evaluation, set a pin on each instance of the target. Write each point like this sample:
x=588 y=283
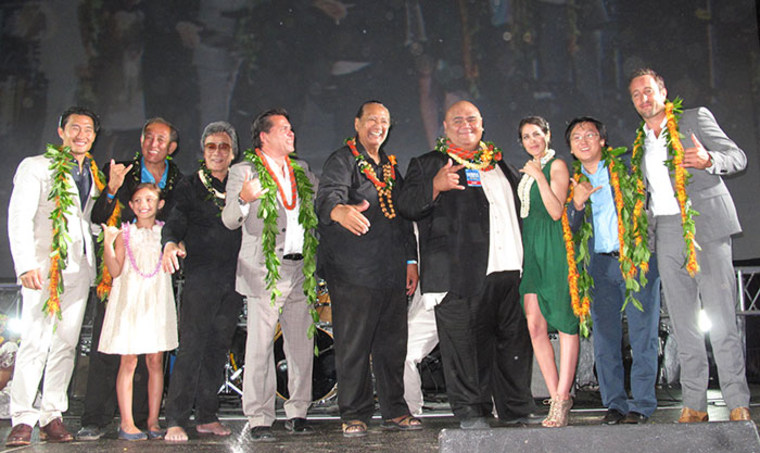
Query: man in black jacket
x=157 y=142
x=471 y=256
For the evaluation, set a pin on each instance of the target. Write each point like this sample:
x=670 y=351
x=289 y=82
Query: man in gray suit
x=708 y=153
x=270 y=178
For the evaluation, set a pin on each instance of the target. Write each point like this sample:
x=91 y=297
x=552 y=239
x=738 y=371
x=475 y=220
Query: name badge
x=473 y=177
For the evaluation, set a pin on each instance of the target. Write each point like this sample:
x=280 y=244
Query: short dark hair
x=360 y=112
x=173 y=134
x=77 y=110
x=534 y=120
x=221 y=127
x=600 y=127
x=263 y=123
x=650 y=72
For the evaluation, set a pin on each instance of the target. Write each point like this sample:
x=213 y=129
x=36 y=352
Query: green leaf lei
x=634 y=247
x=206 y=178
x=60 y=192
x=268 y=213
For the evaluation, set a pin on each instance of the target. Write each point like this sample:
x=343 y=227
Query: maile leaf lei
x=268 y=213
x=62 y=195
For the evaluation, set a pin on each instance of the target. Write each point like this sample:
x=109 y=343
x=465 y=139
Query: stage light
x=704 y=322
x=15 y=326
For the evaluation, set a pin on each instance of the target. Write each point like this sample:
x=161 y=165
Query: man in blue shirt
x=158 y=141
x=586 y=136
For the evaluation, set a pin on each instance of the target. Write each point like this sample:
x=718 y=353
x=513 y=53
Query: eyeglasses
x=589 y=136
x=221 y=146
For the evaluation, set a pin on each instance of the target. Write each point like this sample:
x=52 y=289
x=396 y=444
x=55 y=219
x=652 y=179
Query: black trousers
x=369 y=322
x=208 y=316
x=486 y=350
x=100 y=403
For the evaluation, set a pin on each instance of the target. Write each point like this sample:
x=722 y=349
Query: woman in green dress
x=544 y=288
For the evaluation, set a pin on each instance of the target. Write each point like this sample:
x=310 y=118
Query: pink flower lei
x=131 y=255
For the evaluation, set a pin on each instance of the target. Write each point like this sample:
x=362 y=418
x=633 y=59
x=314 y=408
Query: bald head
x=463 y=125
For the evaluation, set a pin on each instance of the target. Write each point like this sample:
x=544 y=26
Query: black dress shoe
x=298 y=425
x=634 y=418
x=613 y=417
x=262 y=434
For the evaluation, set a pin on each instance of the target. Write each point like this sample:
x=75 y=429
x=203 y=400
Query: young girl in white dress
x=140 y=317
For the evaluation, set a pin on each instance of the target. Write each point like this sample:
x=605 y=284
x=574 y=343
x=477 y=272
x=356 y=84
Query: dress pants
x=609 y=296
x=208 y=315
x=259 y=377
x=423 y=336
x=369 y=322
x=47 y=351
x=100 y=402
x=715 y=287
x=486 y=350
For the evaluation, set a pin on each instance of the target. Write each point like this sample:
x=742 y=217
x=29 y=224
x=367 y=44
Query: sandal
x=558 y=413
x=404 y=423
x=354 y=428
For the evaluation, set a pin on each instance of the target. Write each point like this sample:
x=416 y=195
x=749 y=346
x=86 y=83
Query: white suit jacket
x=30 y=229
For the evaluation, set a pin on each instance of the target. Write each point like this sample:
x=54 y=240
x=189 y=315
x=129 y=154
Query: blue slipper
x=123 y=435
x=152 y=435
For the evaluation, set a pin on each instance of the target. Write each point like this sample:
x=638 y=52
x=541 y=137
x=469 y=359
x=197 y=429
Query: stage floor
x=328 y=437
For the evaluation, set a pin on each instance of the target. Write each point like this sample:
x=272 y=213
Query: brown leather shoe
x=20 y=435
x=739 y=414
x=692 y=416
x=55 y=432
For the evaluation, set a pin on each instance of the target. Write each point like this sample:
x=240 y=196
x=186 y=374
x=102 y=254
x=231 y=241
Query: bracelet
x=411 y=261
x=110 y=197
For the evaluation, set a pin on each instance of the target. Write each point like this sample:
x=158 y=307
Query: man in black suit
x=158 y=141
x=471 y=257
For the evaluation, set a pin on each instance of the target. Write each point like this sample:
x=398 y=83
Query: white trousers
x=48 y=348
x=423 y=337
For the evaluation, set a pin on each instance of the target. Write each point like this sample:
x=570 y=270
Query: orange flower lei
x=581 y=304
x=62 y=196
x=484 y=158
x=385 y=187
x=675 y=150
x=293 y=194
x=639 y=218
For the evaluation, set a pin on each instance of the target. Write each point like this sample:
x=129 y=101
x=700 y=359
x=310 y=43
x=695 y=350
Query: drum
x=323 y=305
x=324 y=378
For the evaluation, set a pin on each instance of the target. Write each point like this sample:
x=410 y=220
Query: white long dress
x=141 y=317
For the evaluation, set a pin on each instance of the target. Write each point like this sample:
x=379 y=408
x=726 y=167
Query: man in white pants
x=423 y=337
x=48 y=341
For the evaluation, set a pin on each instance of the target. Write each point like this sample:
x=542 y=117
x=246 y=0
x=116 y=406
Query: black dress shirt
x=378 y=258
x=196 y=219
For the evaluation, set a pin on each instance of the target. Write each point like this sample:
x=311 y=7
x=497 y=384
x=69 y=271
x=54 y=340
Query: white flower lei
x=526 y=182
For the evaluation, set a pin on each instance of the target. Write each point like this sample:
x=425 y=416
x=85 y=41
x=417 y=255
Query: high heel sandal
x=558 y=413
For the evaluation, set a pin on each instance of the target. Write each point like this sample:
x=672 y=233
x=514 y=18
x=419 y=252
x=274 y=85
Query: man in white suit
x=48 y=342
x=273 y=139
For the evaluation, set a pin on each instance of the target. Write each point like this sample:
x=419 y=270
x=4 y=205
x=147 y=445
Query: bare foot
x=215 y=428
x=131 y=429
x=175 y=434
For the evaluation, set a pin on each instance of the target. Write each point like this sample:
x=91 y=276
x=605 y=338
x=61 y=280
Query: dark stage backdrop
x=195 y=61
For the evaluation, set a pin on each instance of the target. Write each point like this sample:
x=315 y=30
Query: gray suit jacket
x=249 y=277
x=707 y=191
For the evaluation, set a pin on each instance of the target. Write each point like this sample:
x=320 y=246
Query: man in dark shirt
x=157 y=141
x=471 y=255
x=369 y=259
x=210 y=306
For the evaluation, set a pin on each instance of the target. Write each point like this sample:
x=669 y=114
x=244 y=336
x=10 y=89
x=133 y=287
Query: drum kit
x=324 y=378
